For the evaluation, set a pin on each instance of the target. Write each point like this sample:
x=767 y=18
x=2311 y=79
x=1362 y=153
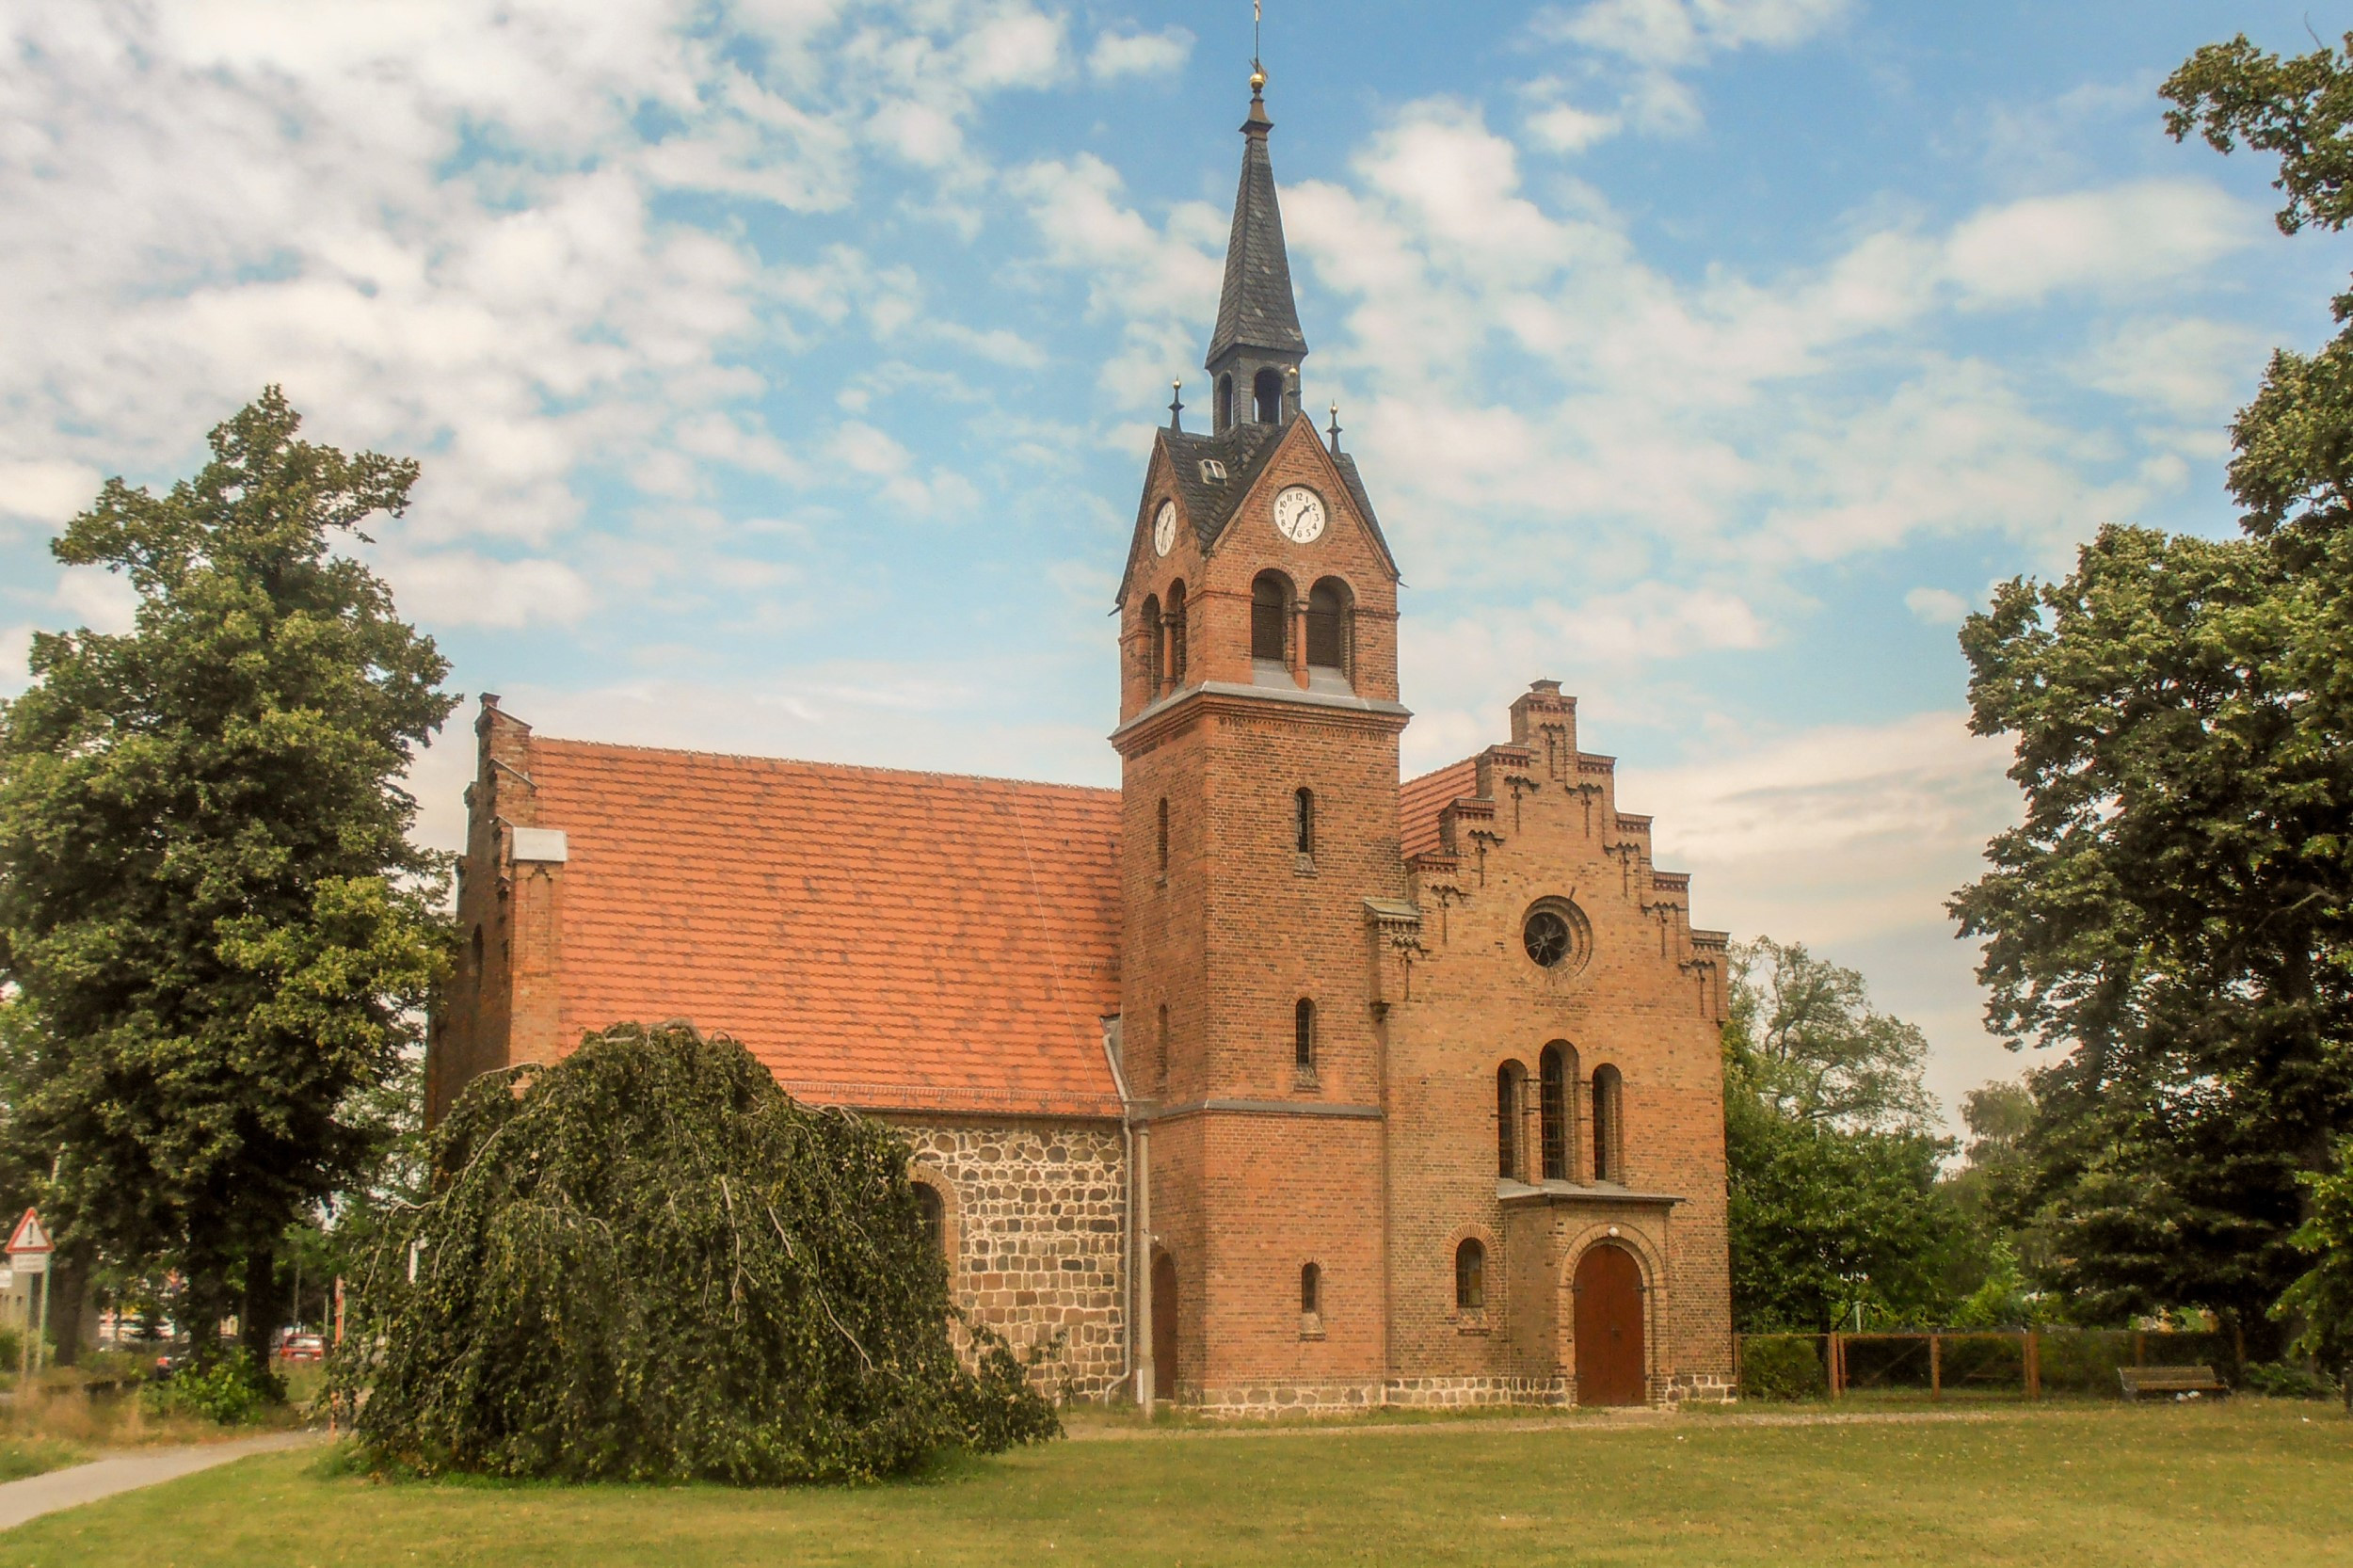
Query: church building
x=1267 y=1080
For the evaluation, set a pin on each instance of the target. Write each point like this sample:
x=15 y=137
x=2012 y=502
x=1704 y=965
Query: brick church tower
x=1258 y=730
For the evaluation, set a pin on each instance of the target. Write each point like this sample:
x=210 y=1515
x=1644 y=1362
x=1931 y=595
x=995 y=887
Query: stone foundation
x=1285 y=1398
x=1035 y=1225
x=1466 y=1392
x=1699 y=1388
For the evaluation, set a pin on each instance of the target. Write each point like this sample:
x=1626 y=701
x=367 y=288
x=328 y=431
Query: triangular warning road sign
x=28 y=1235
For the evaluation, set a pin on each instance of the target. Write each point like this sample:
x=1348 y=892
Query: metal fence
x=2028 y=1363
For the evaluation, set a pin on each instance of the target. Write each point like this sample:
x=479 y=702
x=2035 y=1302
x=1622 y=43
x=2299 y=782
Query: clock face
x=1299 y=515
x=1165 y=528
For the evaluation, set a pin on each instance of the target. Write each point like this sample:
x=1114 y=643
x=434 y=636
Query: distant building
x=1264 y=1080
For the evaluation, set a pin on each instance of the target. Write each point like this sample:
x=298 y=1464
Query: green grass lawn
x=2249 y=1481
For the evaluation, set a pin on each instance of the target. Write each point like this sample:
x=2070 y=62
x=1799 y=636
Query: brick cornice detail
x=1224 y=699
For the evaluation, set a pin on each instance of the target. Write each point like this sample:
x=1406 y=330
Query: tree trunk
x=204 y=1302
x=256 y=1320
x=66 y=1292
x=204 y=1298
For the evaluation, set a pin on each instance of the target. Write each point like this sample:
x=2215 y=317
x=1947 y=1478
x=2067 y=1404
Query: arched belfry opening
x=1266 y=395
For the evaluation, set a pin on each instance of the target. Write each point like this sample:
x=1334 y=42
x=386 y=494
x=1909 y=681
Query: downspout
x=1138 y=1135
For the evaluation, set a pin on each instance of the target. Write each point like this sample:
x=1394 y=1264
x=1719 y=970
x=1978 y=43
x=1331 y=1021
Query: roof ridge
x=864 y=769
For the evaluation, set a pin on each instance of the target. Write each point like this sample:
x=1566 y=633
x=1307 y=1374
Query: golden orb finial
x=1257 y=80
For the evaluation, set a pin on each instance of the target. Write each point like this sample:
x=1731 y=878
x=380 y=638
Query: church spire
x=1256 y=347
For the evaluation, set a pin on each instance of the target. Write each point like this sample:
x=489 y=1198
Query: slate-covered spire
x=1258 y=345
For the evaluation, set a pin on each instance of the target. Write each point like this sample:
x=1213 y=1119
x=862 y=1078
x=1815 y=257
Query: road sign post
x=28 y=1254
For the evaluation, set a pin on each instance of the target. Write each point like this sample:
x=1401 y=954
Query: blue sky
x=783 y=371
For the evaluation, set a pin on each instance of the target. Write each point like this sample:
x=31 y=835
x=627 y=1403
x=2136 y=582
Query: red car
x=302 y=1347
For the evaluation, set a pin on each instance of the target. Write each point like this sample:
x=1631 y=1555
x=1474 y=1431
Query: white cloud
x=1849 y=837
x=1645 y=42
x=16 y=652
x=101 y=600
x=45 y=490
x=443 y=229
x=1836 y=832
x=1937 y=606
x=2191 y=368
x=1118 y=55
x=2114 y=240
x=1565 y=128
x=1159 y=281
x=463 y=587
x=1671 y=33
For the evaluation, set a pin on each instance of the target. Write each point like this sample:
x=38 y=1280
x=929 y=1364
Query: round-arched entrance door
x=1611 y=1367
x=1163 y=1326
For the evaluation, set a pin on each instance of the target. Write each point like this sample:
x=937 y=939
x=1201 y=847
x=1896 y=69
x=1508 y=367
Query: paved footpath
x=127 y=1471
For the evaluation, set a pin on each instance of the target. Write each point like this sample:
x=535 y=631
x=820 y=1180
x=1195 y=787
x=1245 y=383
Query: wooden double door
x=1612 y=1365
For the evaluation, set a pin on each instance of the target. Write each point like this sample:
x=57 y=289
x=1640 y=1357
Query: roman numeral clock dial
x=1298 y=513
x=1164 y=529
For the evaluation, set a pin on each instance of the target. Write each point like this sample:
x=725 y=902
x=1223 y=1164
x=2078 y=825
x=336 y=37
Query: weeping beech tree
x=647 y=1262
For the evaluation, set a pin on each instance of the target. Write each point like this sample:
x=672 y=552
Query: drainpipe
x=1138 y=1134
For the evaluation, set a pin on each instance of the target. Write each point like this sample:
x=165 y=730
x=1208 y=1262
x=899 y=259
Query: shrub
x=229 y=1391
x=11 y=1351
x=1779 y=1367
x=2283 y=1382
x=647 y=1262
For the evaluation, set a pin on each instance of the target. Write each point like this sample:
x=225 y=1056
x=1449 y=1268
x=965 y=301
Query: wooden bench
x=2170 y=1381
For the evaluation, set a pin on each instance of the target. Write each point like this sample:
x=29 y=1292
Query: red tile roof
x=886 y=939
x=1420 y=800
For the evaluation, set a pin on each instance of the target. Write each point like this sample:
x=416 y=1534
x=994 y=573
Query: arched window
x=1552 y=1104
x=1266 y=390
x=1163 y=835
x=1155 y=650
x=1327 y=626
x=1159 y=1051
x=1270 y=618
x=1609 y=1129
x=1508 y=1079
x=1225 y=403
x=1470 y=1276
x=1304 y=821
x=934 y=1210
x=1303 y=1035
x=1174 y=618
x=1310 y=1288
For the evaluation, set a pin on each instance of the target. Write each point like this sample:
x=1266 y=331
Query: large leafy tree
x=1831 y=1157
x=218 y=930
x=2174 y=911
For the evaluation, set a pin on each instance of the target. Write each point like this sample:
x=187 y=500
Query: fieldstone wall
x=1035 y=1230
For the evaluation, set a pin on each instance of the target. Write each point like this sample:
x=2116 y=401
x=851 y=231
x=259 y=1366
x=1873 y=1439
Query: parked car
x=303 y=1347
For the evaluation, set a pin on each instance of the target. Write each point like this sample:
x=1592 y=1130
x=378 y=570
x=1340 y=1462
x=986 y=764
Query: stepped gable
x=1428 y=805
x=879 y=938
